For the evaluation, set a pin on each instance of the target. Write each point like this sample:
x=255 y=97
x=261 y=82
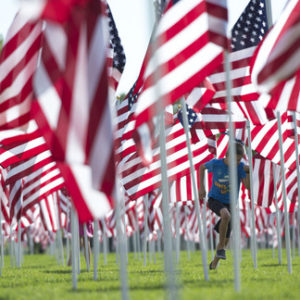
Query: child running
x=218 y=196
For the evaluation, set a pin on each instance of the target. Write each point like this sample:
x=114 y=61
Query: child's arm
x=246 y=180
x=202 y=191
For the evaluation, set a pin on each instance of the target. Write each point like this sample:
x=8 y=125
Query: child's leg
x=225 y=219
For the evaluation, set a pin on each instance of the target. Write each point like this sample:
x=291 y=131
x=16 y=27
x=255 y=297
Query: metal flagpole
x=293 y=234
x=211 y=236
x=18 y=254
x=145 y=228
x=78 y=252
x=177 y=234
x=233 y=182
x=96 y=247
x=138 y=233
x=196 y=195
x=86 y=254
x=11 y=246
x=122 y=251
x=168 y=257
x=286 y=220
x=104 y=241
x=253 y=236
x=298 y=176
x=278 y=229
x=74 y=252
x=187 y=234
x=1 y=241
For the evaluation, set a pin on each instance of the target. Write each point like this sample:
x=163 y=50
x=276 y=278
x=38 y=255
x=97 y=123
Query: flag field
x=41 y=278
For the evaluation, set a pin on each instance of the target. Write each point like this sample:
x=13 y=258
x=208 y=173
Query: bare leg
x=223 y=241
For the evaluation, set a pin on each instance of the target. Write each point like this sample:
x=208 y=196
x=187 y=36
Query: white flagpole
x=286 y=217
x=293 y=234
x=96 y=247
x=211 y=236
x=196 y=195
x=278 y=229
x=187 y=234
x=298 y=176
x=121 y=242
x=18 y=254
x=11 y=246
x=104 y=241
x=138 y=233
x=233 y=182
x=253 y=236
x=1 y=241
x=87 y=255
x=177 y=234
x=73 y=251
x=145 y=228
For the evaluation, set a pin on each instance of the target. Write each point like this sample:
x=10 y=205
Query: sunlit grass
x=41 y=277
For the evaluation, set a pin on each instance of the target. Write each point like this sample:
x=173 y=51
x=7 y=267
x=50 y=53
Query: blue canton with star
x=191 y=115
x=119 y=58
x=132 y=97
x=250 y=28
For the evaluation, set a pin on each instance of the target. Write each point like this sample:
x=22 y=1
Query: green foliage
x=41 y=278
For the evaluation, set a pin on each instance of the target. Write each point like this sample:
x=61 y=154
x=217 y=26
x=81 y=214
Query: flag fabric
x=72 y=108
x=173 y=65
x=265 y=140
x=138 y=179
x=18 y=62
x=263 y=181
x=276 y=59
x=116 y=56
x=247 y=32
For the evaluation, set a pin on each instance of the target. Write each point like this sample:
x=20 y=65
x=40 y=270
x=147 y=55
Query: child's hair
x=239 y=149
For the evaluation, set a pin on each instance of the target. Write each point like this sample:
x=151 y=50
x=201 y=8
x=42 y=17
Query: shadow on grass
x=274 y=265
x=58 y=271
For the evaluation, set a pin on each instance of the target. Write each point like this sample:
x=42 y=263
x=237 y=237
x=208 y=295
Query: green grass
x=41 y=278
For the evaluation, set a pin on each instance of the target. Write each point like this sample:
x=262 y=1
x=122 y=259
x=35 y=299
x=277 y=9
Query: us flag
x=72 y=108
x=187 y=31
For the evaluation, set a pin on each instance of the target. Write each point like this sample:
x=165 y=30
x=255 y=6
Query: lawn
x=41 y=277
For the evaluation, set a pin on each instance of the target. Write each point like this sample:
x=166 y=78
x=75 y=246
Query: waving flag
x=18 y=62
x=247 y=32
x=72 y=108
x=277 y=57
x=188 y=31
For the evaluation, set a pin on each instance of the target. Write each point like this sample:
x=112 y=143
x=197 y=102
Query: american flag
x=246 y=34
x=183 y=36
x=277 y=57
x=116 y=55
x=263 y=181
x=18 y=62
x=72 y=107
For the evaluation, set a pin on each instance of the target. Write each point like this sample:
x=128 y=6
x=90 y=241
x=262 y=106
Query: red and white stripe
x=77 y=125
x=18 y=62
x=187 y=31
x=139 y=180
x=277 y=57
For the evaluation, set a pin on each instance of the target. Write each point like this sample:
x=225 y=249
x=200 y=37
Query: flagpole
x=104 y=241
x=298 y=175
x=194 y=186
x=233 y=181
x=145 y=228
x=138 y=233
x=187 y=234
x=253 y=236
x=96 y=247
x=177 y=234
x=278 y=229
x=1 y=241
x=87 y=256
x=18 y=264
x=73 y=251
x=122 y=251
x=286 y=220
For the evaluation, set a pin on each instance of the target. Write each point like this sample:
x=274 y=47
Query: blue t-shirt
x=220 y=184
